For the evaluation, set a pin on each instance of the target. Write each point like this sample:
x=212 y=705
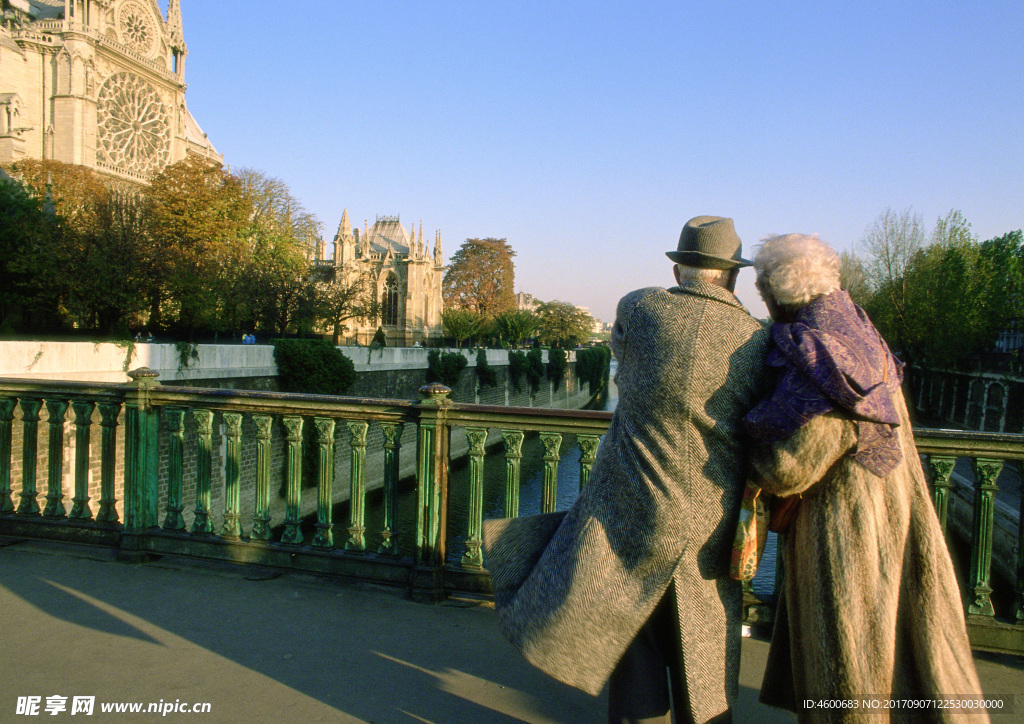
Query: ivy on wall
x=445 y=367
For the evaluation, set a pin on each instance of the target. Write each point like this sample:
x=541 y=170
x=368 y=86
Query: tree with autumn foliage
x=25 y=229
x=271 y=276
x=481 y=277
x=199 y=219
x=561 y=324
x=96 y=265
x=941 y=297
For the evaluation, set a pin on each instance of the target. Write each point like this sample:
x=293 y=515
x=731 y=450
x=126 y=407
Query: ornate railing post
x=201 y=523
x=83 y=410
x=232 y=527
x=293 y=467
x=141 y=442
x=261 y=515
x=7 y=405
x=392 y=447
x=513 y=457
x=324 y=537
x=109 y=412
x=588 y=454
x=1018 y=608
x=551 y=441
x=29 y=450
x=941 y=469
x=474 y=557
x=431 y=493
x=357 y=480
x=985 y=474
x=175 y=417
x=55 y=412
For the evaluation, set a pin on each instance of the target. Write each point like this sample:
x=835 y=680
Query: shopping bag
x=751 y=534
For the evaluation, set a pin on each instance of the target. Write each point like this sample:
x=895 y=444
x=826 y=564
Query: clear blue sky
x=587 y=133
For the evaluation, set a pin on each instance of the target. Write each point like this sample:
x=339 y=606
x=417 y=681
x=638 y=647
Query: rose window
x=132 y=125
x=136 y=28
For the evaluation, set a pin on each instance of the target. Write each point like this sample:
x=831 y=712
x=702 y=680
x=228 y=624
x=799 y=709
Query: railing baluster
x=232 y=527
x=29 y=449
x=432 y=451
x=324 y=537
x=588 y=454
x=7 y=405
x=357 y=500
x=175 y=417
x=392 y=447
x=552 y=441
x=109 y=412
x=56 y=410
x=513 y=456
x=142 y=461
x=473 y=557
x=941 y=469
x=1018 y=612
x=985 y=473
x=293 y=497
x=261 y=516
x=204 y=470
x=83 y=410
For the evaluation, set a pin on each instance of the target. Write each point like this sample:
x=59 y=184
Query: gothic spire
x=345 y=227
x=174 y=20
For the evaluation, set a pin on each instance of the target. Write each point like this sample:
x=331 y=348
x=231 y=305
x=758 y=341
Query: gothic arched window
x=390 y=306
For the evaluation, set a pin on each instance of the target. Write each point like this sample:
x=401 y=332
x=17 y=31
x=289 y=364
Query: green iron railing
x=169 y=437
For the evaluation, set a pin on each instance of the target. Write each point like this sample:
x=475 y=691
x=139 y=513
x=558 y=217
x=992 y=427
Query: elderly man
x=634 y=577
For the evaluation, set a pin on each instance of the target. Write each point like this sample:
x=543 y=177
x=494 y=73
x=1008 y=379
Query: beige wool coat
x=573 y=589
x=870 y=605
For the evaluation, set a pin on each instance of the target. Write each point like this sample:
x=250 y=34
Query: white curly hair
x=795 y=269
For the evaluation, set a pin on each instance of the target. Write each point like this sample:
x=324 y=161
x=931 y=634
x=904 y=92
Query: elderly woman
x=870 y=608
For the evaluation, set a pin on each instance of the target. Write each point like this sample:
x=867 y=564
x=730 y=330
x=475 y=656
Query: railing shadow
x=258 y=645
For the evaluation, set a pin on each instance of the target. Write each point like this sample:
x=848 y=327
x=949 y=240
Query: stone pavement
x=259 y=646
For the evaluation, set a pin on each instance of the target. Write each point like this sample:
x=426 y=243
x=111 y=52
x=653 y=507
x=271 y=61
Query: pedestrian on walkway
x=870 y=607
x=633 y=579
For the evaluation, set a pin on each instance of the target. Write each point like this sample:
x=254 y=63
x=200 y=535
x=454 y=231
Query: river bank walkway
x=261 y=646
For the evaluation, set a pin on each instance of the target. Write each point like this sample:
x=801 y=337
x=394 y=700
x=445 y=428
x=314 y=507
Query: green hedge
x=445 y=367
x=535 y=371
x=557 y=366
x=313 y=366
x=485 y=374
x=517 y=367
x=592 y=366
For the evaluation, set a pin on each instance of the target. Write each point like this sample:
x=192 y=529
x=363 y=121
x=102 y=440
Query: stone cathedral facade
x=98 y=83
x=404 y=276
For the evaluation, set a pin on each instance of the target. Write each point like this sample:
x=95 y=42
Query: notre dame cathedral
x=403 y=274
x=101 y=83
x=98 y=83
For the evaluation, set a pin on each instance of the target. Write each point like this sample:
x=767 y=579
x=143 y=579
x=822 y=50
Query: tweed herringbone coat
x=572 y=590
x=870 y=606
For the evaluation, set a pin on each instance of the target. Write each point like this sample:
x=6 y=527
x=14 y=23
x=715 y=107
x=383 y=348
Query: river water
x=531 y=488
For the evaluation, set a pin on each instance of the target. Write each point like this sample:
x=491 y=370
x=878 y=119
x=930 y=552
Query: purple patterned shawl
x=832 y=357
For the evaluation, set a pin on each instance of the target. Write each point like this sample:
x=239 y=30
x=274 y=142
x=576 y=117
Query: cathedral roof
x=46 y=9
x=195 y=134
x=388 y=233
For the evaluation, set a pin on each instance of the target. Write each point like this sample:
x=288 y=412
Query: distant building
x=97 y=83
x=525 y=302
x=405 y=279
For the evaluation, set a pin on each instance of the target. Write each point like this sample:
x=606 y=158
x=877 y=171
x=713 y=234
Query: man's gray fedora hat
x=709 y=242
